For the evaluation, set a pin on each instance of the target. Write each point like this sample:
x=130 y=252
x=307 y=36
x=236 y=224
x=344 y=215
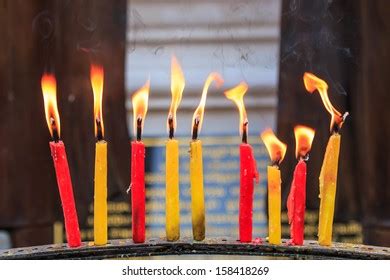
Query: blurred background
x=268 y=44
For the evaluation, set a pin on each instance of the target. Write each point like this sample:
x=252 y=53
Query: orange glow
x=303 y=139
x=199 y=112
x=97 y=78
x=276 y=148
x=177 y=88
x=313 y=83
x=48 y=84
x=236 y=94
x=140 y=105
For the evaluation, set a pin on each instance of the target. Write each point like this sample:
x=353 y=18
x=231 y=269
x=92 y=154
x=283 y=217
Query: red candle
x=248 y=172
x=66 y=193
x=296 y=202
x=248 y=169
x=140 y=105
x=138 y=190
x=58 y=153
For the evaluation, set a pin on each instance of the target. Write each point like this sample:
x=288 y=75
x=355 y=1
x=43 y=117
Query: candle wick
x=99 y=133
x=55 y=135
x=171 y=127
x=305 y=157
x=337 y=125
x=195 y=129
x=139 y=129
x=244 y=132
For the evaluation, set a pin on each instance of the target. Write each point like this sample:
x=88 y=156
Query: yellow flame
x=236 y=94
x=313 y=83
x=276 y=148
x=303 y=139
x=97 y=78
x=49 y=85
x=140 y=105
x=199 y=112
x=177 y=88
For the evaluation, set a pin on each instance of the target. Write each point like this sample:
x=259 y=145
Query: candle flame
x=49 y=88
x=140 y=105
x=97 y=78
x=177 y=88
x=275 y=147
x=303 y=139
x=199 y=112
x=236 y=94
x=313 y=83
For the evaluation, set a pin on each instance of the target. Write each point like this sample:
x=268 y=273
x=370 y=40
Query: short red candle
x=138 y=191
x=66 y=193
x=296 y=201
x=296 y=204
x=248 y=172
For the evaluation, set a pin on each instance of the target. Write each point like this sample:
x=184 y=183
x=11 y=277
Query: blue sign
x=221 y=182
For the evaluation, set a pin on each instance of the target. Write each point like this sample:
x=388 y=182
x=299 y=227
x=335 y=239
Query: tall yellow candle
x=277 y=151
x=172 y=191
x=196 y=164
x=197 y=191
x=328 y=175
x=328 y=185
x=100 y=198
x=172 y=195
x=100 y=189
x=274 y=208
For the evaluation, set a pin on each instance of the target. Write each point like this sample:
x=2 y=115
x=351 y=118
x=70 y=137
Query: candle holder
x=126 y=248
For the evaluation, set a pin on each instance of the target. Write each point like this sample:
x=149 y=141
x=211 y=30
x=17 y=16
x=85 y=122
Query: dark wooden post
x=345 y=43
x=61 y=36
x=373 y=121
x=28 y=194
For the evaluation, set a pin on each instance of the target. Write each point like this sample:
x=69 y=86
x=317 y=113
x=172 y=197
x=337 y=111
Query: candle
x=100 y=197
x=328 y=175
x=277 y=151
x=137 y=186
x=196 y=163
x=58 y=153
x=296 y=201
x=172 y=208
x=248 y=168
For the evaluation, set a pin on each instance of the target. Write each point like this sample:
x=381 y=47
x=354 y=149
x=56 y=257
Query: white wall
x=239 y=39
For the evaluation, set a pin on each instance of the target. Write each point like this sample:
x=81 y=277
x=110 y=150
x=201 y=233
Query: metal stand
x=125 y=248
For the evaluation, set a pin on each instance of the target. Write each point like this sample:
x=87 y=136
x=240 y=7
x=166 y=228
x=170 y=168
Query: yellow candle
x=274 y=209
x=328 y=185
x=172 y=208
x=197 y=192
x=100 y=199
x=277 y=151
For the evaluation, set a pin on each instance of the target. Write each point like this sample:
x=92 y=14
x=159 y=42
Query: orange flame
x=199 y=112
x=49 y=85
x=97 y=78
x=276 y=148
x=313 y=83
x=236 y=94
x=303 y=138
x=177 y=88
x=140 y=105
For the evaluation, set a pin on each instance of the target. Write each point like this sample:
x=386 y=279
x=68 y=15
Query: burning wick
x=99 y=134
x=244 y=132
x=195 y=129
x=337 y=125
x=55 y=137
x=139 y=129
x=171 y=128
